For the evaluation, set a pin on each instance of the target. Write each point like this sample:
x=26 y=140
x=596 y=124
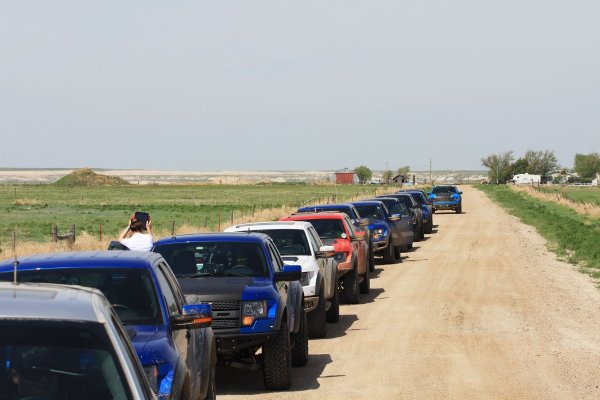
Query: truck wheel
x=421 y=232
x=365 y=285
x=416 y=233
x=459 y=209
x=398 y=253
x=211 y=393
x=351 y=286
x=371 y=259
x=300 y=342
x=277 y=357
x=429 y=226
x=316 y=319
x=389 y=254
x=333 y=314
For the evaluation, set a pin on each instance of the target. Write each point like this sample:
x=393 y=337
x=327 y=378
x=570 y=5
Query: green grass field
x=578 y=194
x=574 y=237
x=31 y=210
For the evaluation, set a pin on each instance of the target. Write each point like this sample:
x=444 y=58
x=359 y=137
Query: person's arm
x=149 y=228
x=125 y=231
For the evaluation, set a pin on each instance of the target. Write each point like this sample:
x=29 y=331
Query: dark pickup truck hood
x=198 y=290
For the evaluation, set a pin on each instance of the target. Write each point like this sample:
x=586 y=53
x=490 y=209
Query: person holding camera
x=138 y=235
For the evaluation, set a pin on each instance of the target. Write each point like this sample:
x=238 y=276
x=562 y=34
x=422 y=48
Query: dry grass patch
x=589 y=209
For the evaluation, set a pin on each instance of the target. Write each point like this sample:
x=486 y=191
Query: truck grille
x=226 y=314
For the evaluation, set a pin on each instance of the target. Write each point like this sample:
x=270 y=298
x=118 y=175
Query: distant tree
x=540 y=162
x=403 y=172
x=364 y=173
x=387 y=176
x=587 y=165
x=519 y=167
x=499 y=166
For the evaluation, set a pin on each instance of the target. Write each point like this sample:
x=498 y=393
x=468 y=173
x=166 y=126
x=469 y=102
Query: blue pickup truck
x=172 y=338
x=387 y=236
x=258 y=305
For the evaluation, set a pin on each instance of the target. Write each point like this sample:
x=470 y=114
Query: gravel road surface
x=479 y=310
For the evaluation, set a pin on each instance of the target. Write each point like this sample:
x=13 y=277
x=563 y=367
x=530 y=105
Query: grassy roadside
x=574 y=237
x=31 y=210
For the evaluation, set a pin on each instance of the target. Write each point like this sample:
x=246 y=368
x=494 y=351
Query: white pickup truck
x=299 y=244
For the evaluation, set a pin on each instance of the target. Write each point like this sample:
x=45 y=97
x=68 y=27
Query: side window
x=312 y=237
x=396 y=209
x=349 y=226
x=275 y=258
x=167 y=292
x=173 y=283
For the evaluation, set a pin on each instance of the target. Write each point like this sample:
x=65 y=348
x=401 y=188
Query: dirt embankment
x=480 y=310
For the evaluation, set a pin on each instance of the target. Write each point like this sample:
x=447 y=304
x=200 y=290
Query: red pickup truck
x=335 y=228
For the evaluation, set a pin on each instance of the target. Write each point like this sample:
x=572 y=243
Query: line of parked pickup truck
x=249 y=297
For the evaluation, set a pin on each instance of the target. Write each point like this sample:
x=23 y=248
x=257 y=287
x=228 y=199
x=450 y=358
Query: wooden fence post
x=54 y=233
x=173 y=228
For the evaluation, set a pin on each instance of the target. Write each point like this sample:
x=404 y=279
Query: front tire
x=371 y=259
x=389 y=254
x=365 y=285
x=317 y=319
x=211 y=393
x=277 y=357
x=300 y=342
x=459 y=209
x=351 y=286
x=333 y=314
x=429 y=226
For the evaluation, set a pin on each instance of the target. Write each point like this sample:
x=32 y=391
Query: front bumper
x=230 y=343
x=445 y=205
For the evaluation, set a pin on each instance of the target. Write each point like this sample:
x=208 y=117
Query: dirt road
x=480 y=310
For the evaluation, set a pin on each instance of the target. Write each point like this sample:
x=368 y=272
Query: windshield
x=289 y=242
x=370 y=211
x=443 y=190
x=58 y=360
x=329 y=228
x=130 y=291
x=419 y=198
x=215 y=258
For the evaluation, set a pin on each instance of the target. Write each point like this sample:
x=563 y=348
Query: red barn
x=345 y=177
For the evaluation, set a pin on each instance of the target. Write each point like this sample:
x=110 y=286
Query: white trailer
x=526 y=179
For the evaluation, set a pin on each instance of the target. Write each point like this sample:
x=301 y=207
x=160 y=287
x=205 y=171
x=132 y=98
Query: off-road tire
x=351 y=286
x=398 y=253
x=429 y=225
x=365 y=285
x=371 y=257
x=317 y=320
x=211 y=393
x=459 y=209
x=333 y=314
x=300 y=342
x=389 y=254
x=421 y=232
x=417 y=232
x=277 y=360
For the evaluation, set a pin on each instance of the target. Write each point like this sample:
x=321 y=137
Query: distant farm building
x=346 y=177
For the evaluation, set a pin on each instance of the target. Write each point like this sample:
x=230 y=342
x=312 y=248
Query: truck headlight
x=379 y=234
x=251 y=310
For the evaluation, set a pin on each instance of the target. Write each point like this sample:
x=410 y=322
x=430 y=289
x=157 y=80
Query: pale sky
x=296 y=85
